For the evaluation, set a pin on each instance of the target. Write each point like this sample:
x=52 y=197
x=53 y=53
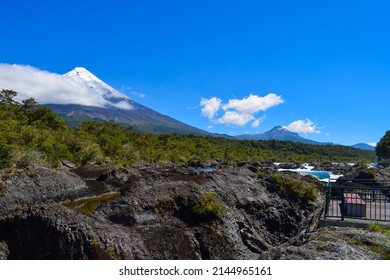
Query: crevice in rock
x=204 y=251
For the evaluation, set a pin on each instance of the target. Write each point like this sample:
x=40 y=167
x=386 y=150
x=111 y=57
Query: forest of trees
x=33 y=134
x=383 y=150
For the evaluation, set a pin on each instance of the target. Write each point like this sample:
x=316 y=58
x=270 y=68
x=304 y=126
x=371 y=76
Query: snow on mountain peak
x=110 y=94
x=83 y=74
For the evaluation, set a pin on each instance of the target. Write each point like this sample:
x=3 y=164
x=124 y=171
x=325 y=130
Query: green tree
x=29 y=104
x=109 y=136
x=43 y=117
x=7 y=97
x=5 y=154
x=383 y=150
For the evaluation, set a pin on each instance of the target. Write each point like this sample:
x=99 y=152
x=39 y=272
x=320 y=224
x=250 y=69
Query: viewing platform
x=358 y=200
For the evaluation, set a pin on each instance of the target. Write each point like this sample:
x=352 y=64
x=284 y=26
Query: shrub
x=362 y=163
x=298 y=190
x=29 y=158
x=90 y=152
x=376 y=227
x=165 y=207
x=5 y=155
x=192 y=208
x=130 y=154
x=208 y=205
x=383 y=150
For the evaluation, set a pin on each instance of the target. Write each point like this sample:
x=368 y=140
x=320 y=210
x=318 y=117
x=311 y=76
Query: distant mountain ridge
x=282 y=134
x=119 y=109
x=278 y=133
x=363 y=146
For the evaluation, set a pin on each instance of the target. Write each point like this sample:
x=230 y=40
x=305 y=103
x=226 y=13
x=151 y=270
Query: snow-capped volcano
x=115 y=107
x=114 y=98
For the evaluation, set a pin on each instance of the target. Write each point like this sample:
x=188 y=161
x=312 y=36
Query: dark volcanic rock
x=332 y=243
x=39 y=185
x=335 y=168
x=383 y=174
x=289 y=165
x=56 y=232
x=164 y=212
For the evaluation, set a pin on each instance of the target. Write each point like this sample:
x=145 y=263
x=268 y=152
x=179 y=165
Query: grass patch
x=90 y=204
x=382 y=249
x=165 y=207
x=203 y=208
x=8 y=173
x=296 y=189
x=376 y=227
x=209 y=205
x=28 y=158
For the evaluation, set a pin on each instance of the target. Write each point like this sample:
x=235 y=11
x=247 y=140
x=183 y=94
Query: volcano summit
x=117 y=108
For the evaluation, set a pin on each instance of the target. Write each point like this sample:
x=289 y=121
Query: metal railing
x=358 y=199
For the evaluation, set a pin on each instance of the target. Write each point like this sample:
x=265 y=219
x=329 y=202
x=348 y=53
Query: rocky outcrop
x=383 y=174
x=39 y=185
x=160 y=212
x=335 y=168
x=333 y=243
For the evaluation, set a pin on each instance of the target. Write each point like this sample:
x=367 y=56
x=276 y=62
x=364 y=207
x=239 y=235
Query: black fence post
x=342 y=206
x=327 y=200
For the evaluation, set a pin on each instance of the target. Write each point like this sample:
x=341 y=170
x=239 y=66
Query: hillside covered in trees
x=33 y=134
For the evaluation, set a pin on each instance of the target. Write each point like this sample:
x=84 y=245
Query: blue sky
x=322 y=67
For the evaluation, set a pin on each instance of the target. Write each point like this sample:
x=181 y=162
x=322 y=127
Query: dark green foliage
x=383 y=150
x=376 y=227
x=5 y=155
x=362 y=163
x=28 y=126
x=28 y=158
x=165 y=207
x=29 y=104
x=193 y=209
x=109 y=136
x=29 y=132
x=299 y=190
x=42 y=117
x=7 y=97
x=208 y=205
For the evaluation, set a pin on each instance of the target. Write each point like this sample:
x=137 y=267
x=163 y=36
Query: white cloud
x=303 y=126
x=257 y=122
x=46 y=87
x=123 y=105
x=234 y=118
x=139 y=94
x=253 y=103
x=210 y=106
x=373 y=144
x=239 y=112
x=126 y=90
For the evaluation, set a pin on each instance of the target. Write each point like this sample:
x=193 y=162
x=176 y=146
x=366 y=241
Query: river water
x=325 y=176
